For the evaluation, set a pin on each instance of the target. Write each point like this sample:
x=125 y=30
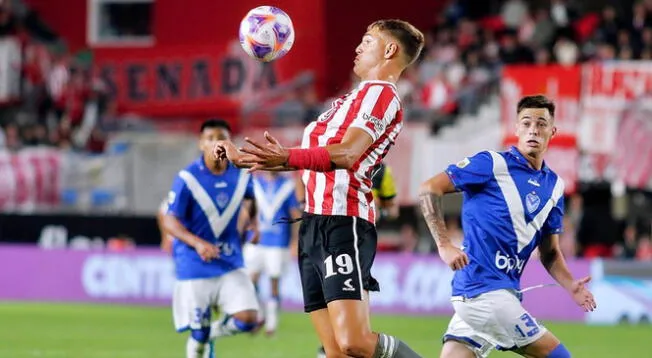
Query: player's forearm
x=342 y=155
x=556 y=266
x=430 y=204
x=176 y=229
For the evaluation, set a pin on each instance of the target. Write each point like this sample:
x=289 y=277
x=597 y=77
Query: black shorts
x=335 y=258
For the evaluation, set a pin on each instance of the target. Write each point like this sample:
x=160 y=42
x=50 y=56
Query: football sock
x=271 y=319
x=559 y=352
x=195 y=349
x=392 y=347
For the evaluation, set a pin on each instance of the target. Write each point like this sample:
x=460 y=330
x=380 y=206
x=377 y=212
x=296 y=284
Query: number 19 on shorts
x=343 y=262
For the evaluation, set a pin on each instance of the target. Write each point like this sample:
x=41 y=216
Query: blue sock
x=211 y=347
x=559 y=352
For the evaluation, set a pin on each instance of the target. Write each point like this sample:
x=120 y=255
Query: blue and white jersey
x=208 y=205
x=275 y=199
x=508 y=208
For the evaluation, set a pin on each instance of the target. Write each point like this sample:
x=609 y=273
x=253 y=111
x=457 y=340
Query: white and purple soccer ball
x=266 y=33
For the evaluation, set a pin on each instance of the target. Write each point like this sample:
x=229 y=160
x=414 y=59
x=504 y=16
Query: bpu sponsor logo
x=508 y=263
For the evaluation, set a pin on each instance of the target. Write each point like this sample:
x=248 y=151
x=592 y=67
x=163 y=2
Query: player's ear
x=554 y=131
x=391 y=49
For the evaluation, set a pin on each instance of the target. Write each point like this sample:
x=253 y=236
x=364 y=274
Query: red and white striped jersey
x=373 y=106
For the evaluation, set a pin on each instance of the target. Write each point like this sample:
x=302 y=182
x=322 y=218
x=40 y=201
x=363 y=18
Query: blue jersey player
x=203 y=210
x=513 y=203
x=276 y=201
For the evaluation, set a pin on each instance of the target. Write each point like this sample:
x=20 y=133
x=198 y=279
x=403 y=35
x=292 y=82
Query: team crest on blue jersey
x=222 y=199
x=532 y=202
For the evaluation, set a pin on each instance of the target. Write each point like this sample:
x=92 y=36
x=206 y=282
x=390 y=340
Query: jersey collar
x=523 y=161
x=362 y=83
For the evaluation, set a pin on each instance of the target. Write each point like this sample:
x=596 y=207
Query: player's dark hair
x=410 y=38
x=536 y=101
x=215 y=123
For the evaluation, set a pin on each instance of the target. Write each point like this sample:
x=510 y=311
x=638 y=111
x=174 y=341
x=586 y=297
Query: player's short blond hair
x=410 y=38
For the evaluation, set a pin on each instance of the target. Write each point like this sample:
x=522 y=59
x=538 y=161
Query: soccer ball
x=266 y=33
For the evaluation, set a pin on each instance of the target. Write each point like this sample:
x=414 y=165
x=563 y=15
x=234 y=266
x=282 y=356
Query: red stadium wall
x=66 y=17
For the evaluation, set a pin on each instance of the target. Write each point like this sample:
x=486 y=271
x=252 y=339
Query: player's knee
x=353 y=345
x=559 y=352
x=201 y=335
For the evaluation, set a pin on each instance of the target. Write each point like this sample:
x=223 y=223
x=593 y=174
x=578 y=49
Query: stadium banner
x=410 y=284
x=608 y=89
x=198 y=80
x=30 y=179
x=561 y=83
x=615 y=123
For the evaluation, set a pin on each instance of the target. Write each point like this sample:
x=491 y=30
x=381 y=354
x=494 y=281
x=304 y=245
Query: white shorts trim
x=194 y=300
x=494 y=319
x=269 y=260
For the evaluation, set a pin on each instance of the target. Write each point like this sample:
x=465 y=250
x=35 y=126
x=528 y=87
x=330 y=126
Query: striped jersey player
x=337 y=236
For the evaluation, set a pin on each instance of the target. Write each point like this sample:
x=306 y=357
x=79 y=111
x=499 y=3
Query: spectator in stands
x=566 y=52
x=8 y=23
x=512 y=52
x=644 y=250
x=640 y=18
x=514 y=13
x=542 y=57
x=12 y=140
x=607 y=31
x=627 y=249
x=563 y=14
x=544 y=29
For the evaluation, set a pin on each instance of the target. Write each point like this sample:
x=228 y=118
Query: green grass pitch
x=105 y=331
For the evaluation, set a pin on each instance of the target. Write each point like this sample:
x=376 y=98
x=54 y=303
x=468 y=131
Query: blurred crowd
x=54 y=87
x=471 y=41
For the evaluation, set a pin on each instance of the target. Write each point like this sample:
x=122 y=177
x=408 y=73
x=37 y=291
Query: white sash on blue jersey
x=524 y=232
x=217 y=222
x=269 y=208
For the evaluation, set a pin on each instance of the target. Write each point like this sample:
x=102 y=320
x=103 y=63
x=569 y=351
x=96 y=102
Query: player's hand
x=453 y=256
x=581 y=294
x=207 y=251
x=269 y=155
x=226 y=150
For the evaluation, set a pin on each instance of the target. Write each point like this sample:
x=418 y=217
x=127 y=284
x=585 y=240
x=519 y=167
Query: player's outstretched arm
x=554 y=262
x=273 y=156
x=205 y=250
x=430 y=195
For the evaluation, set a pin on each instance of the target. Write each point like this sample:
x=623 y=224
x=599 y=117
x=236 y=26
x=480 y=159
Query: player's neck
x=535 y=161
x=382 y=73
x=216 y=167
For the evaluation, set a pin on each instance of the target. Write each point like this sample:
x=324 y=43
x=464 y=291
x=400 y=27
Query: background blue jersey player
x=513 y=203
x=203 y=210
x=277 y=202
